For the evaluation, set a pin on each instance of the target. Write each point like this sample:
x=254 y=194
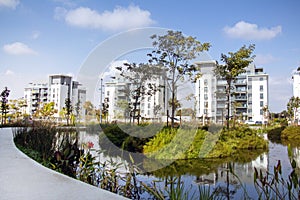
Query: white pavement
x=23 y=178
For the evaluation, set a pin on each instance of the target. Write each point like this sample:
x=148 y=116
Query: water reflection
x=208 y=172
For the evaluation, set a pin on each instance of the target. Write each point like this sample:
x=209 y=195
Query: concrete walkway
x=23 y=178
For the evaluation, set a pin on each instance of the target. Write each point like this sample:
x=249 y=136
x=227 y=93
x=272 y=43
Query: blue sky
x=38 y=38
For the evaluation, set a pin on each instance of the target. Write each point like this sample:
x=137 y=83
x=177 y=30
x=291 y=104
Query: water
x=213 y=173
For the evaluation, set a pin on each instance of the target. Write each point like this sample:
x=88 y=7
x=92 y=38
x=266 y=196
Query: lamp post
x=101 y=88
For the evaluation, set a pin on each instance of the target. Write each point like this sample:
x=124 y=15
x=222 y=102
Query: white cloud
x=249 y=31
x=119 y=19
x=9 y=3
x=111 y=69
x=18 y=48
x=9 y=72
x=261 y=59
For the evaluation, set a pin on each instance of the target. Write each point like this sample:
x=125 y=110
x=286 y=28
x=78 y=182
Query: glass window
x=261 y=103
x=205 y=96
x=261 y=112
x=205 y=89
x=249 y=79
x=261 y=79
x=261 y=96
x=249 y=87
x=205 y=82
x=261 y=88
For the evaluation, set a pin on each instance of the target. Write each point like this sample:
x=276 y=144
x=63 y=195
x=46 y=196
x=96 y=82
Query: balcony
x=221 y=82
x=240 y=98
x=240 y=82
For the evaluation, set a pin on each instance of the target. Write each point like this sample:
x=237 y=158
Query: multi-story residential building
x=248 y=99
x=59 y=88
x=118 y=93
x=296 y=90
x=35 y=95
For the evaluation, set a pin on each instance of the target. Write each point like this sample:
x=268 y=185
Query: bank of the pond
x=287 y=135
x=22 y=178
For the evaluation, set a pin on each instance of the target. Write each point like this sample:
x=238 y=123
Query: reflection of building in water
x=243 y=171
x=296 y=155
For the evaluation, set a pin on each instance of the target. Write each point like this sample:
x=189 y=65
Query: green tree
x=292 y=107
x=123 y=110
x=15 y=109
x=90 y=111
x=68 y=110
x=77 y=110
x=47 y=111
x=174 y=52
x=141 y=77
x=235 y=63
x=4 y=106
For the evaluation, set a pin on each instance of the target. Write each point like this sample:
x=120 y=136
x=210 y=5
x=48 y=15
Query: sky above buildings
x=39 y=38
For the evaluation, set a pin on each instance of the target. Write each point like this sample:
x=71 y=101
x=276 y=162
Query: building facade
x=248 y=100
x=296 y=91
x=35 y=95
x=57 y=90
x=119 y=95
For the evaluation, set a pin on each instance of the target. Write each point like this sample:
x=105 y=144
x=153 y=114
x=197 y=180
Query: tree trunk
x=173 y=109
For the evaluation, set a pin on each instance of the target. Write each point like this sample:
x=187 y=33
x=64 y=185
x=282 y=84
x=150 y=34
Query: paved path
x=23 y=178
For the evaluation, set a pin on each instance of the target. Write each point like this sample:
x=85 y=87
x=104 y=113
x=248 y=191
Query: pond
x=213 y=173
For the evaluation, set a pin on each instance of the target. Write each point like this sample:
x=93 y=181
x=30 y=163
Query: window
x=249 y=79
x=261 y=112
x=261 y=88
x=148 y=105
x=205 y=82
x=249 y=87
x=249 y=96
x=205 y=97
x=249 y=110
x=107 y=93
x=205 y=89
x=206 y=104
x=261 y=103
x=261 y=79
x=250 y=103
x=261 y=96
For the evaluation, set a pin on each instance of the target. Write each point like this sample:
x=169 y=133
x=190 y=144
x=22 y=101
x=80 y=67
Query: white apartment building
x=118 y=95
x=59 y=88
x=296 y=90
x=249 y=94
x=35 y=95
